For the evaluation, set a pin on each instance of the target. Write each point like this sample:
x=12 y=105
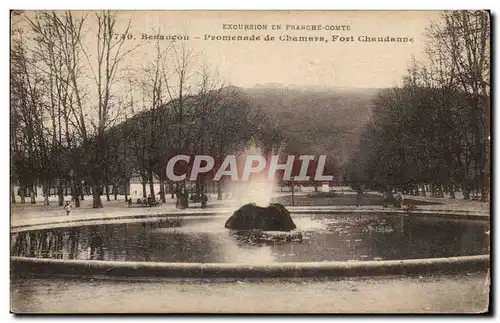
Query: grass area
x=340 y=200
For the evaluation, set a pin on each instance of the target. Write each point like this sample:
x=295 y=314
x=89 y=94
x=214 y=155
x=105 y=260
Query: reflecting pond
x=346 y=237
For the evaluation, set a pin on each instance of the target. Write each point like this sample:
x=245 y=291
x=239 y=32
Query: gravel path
x=467 y=293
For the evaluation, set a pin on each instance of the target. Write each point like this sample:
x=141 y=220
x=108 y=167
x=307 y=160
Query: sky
x=248 y=63
x=328 y=64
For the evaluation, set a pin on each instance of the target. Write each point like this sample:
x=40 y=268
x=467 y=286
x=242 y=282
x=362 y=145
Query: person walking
x=204 y=200
x=399 y=199
x=359 y=196
x=68 y=208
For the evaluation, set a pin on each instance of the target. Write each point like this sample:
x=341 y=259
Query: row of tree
x=435 y=129
x=73 y=124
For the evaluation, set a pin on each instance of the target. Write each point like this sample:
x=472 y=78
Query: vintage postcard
x=250 y=161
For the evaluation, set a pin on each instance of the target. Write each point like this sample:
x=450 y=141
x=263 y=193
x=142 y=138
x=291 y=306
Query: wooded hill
x=316 y=120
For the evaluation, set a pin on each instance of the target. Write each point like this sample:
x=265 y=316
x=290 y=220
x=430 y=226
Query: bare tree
x=62 y=47
x=57 y=38
x=462 y=42
x=178 y=85
x=27 y=109
x=110 y=53
x=153 y=86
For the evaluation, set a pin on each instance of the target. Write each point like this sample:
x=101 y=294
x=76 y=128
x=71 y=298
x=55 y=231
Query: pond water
x=347 y=237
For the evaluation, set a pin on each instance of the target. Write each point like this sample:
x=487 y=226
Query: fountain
x=264 y=240
x=259 y=220
x=275 y=217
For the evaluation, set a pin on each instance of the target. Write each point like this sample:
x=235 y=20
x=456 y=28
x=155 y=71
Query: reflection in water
x=322 y=238
x=96 y=244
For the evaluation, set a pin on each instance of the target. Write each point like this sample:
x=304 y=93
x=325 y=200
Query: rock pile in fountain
x=275 y=217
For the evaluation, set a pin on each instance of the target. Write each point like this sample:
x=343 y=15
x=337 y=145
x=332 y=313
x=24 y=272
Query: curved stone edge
x=79 y=268
x=73 y=222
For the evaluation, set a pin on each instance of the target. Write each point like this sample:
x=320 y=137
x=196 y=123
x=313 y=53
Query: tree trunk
x=144 y=189
x=96 y=197
x=32 y=194
x=76 y=197
x=151 y=186
x=74 y=193
x=107 y=192
x=423 y=190
x=482 y=181
x=22 y=192
x=197 y=187
x=219 y=190
x=60 y=193
x=115 y=191
x=125 y=186
x=12 y=194
x=162 y=190
x=46 y=190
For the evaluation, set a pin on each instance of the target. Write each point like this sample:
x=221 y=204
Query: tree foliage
x=435 y=128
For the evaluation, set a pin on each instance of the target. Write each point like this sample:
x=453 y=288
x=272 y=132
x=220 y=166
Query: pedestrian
x=68 y=207
x=204 y=200
x=399 y=200
x=177 y=198
x=388 y=198
x=359 y=196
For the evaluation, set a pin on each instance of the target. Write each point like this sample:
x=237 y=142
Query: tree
x=463 y=38
x=110 y=52
x=434 y=129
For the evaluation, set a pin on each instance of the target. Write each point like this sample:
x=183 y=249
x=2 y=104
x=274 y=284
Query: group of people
x=182 y=197
x=394 y=198
x=144 y=202
x=391 y=197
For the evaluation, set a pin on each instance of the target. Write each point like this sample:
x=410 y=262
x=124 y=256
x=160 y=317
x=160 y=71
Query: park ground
x=467 y=292
x=34 y=213
x=464 y=293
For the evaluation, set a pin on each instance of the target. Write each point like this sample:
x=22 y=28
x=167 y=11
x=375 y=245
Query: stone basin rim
x=59 y=267
x=76 y=221
x=135 y=269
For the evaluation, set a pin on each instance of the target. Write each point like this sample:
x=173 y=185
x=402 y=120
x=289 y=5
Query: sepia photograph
x=250 y=162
